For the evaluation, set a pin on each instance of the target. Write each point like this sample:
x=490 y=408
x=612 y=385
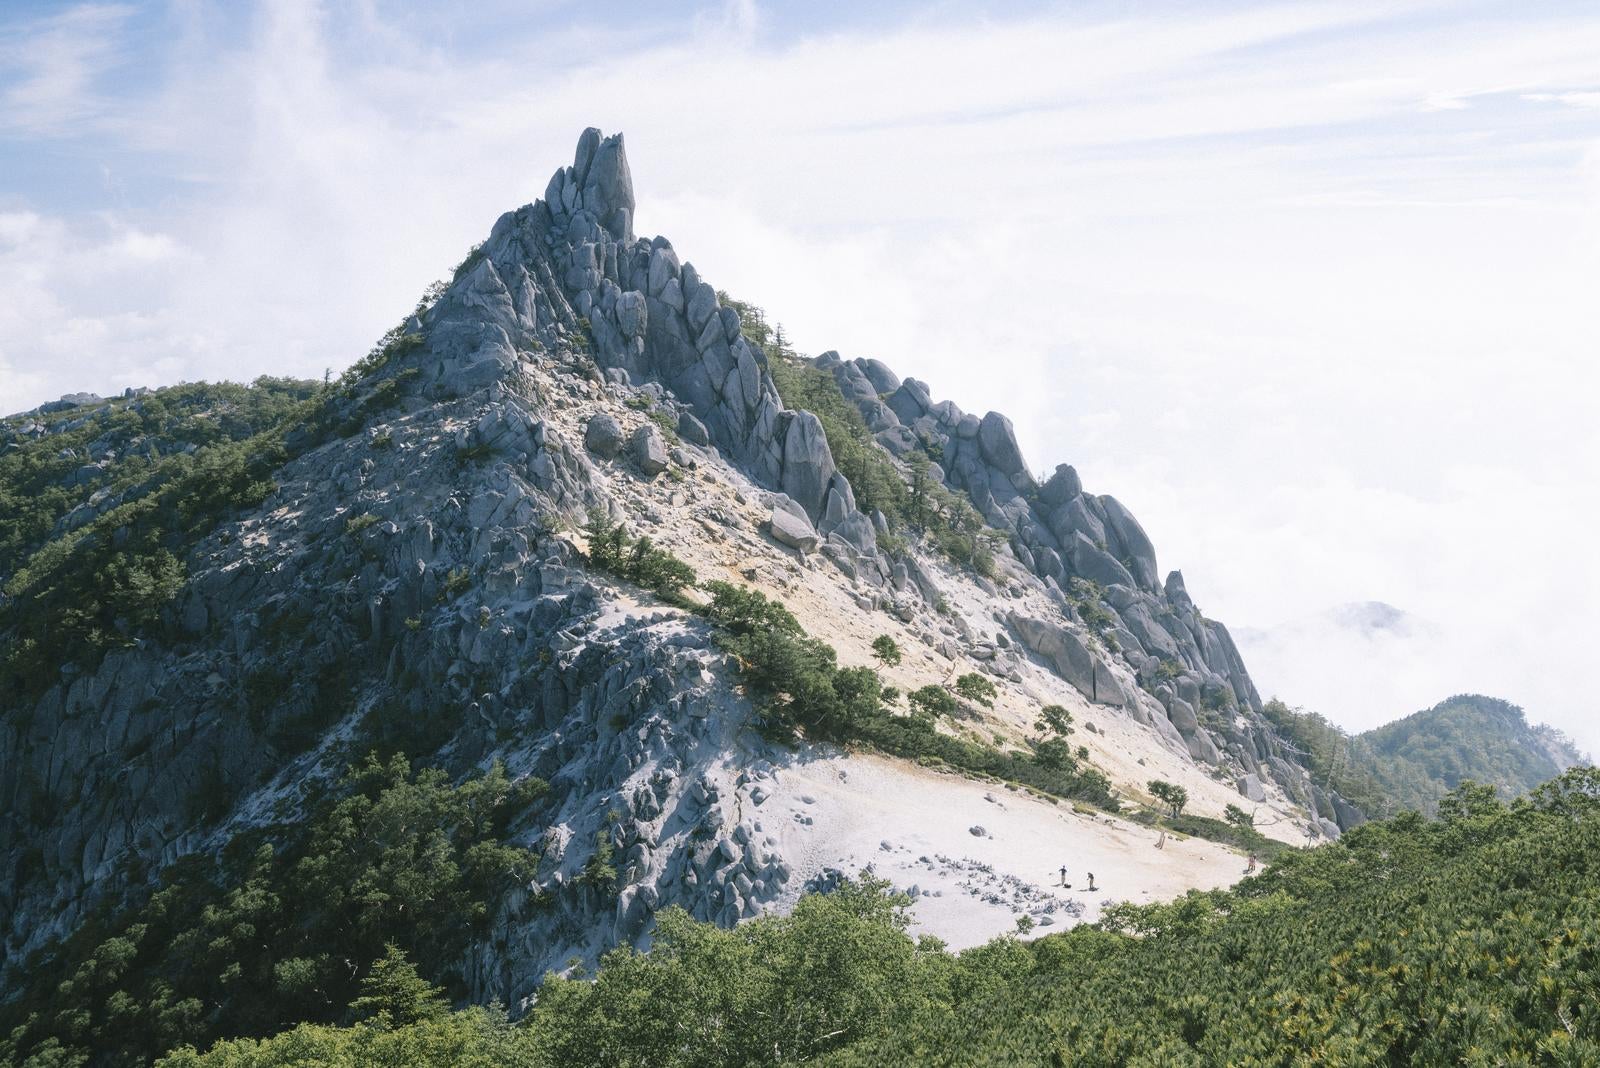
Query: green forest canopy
x=1463 y=940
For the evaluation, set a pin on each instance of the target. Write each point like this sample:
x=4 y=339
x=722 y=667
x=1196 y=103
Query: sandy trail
x=914 y=827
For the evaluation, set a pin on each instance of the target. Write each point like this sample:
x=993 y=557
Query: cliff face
x=414 y=571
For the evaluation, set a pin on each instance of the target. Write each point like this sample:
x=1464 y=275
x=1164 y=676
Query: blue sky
x=1309 y=286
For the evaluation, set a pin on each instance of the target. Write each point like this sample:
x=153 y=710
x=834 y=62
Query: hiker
x=1250 y=868
x=1064 y=876
x=1091 y=882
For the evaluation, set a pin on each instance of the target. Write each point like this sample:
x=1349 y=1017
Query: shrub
x=357 y=523
x=613 y=551
x=886 y=650
x=932 y=701
x=1169 y=794
x=1054 y=719
x=974 y=687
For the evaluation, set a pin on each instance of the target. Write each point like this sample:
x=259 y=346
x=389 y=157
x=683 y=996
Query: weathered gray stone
x=1065 y=653
x=998 y=442
x=648 y=451
x=807 y=463
x=1060 y=488
x=856 y=529
x=1136 y=547
x=1095 y=564
x=632 y=316
x=663 y=269
x=1075 y=517
x=612 y=182
x=692 y=430
x=603 y=435
x=898 y=440
x=883 y=380
x=909 y=401
x=793 y=530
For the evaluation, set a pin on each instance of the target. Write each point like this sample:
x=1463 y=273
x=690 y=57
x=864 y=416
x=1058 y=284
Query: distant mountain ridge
x=1414 y=761
x=1467 y=737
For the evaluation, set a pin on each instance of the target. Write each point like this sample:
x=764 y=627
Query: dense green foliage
x=975 y=687
x=1464 y=941
x=1412 y=762
x=1485 y=740
x=115 y=445
x=886 y=651
x=282 y=927
x=475 y=1038
x=1173 y=796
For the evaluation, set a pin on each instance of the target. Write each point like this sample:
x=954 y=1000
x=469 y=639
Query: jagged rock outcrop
x=1061 y=533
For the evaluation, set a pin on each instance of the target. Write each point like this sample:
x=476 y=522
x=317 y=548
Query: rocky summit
x=421 y=561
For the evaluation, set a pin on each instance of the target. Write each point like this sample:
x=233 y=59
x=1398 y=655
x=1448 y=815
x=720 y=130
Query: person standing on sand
x=1091 y=882
x=1250 y=868
x=1064 y=876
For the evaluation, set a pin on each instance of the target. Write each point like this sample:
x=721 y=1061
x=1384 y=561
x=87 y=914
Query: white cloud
x=49 y=68
x=1575 y=100
x=1330 y=344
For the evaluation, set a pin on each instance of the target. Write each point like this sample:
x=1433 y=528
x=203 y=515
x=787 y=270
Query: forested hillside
x=1464 y=940
x=1413 y=762
x=1467 y=737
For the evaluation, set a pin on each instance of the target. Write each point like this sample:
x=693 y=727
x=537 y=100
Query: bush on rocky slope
x=798 y=685
x=73 y=590
x=282 y=926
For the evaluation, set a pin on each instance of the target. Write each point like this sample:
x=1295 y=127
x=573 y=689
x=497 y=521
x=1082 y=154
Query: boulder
x=807 y=462
x=632 y=317
x=856 y=530
x=883 y=380
x=648 y=451
x=853 y=383
x=1066 y=654
x=910 y=401
x=603 y=435
x=998 y=443
x=1095 y=564
x=692 y=430
x=1076 y=516
x=612 y=185
x=898 y=440
x=1061 y=487
x=793 y=530
x=1136 y=547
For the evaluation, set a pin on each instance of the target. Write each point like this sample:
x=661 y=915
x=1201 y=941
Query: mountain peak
x=598 y=183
